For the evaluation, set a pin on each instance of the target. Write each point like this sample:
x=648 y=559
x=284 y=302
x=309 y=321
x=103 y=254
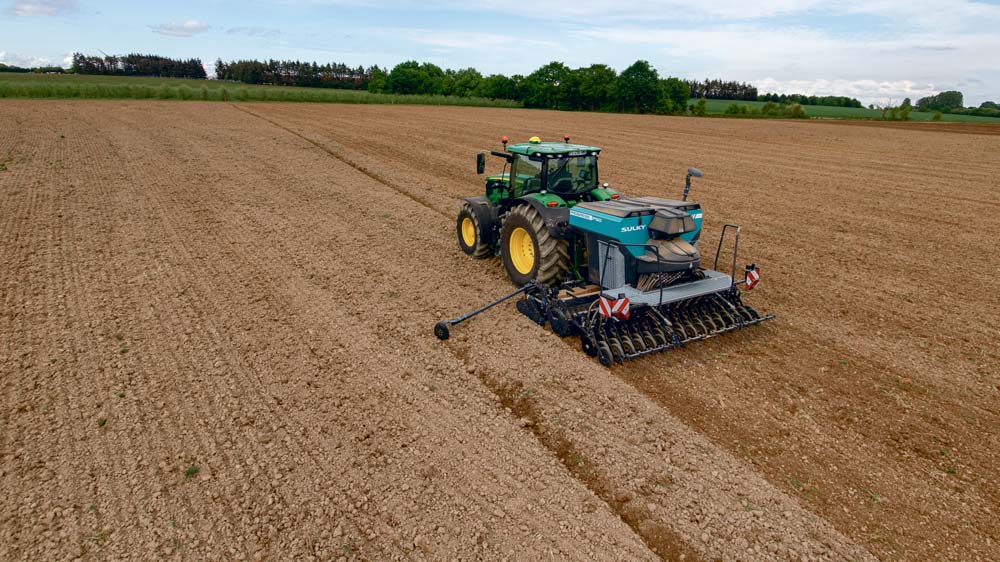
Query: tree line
x=717 y=89
x=296 y=73
x=637 y=89
x=35 y=69
x=5 y=68
x=832 y=101
x=136 y=64
x=722 y=90
x=952 y=101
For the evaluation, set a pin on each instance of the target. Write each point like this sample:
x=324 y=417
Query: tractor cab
x=566 y=170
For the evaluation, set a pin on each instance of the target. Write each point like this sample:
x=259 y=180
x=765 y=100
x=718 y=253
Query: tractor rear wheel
x=529 y=251
x=471 y=235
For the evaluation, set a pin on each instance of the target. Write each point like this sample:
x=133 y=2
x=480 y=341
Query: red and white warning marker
x=616 y=308
x=753 y=277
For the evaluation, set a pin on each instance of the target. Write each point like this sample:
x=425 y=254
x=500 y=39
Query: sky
x=879 y=51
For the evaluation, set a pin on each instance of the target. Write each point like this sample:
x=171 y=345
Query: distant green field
x=717 y=107
x=69 y=86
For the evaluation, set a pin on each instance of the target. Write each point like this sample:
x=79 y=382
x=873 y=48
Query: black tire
x=628 y=345
x=551 y=255
x=477 y=249
x=604 y=354
x=441 y=331
x=618 y=354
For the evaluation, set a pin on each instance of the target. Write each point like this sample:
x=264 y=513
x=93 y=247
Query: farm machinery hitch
x=441 y=328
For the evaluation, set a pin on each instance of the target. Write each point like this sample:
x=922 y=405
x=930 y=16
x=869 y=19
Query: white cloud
x=925 y=13
x=24 y=61
x=256 y=31
x=589 y=11
x=42 y=7
x=873 y=67
x=871 y=91
x=186 y=29
x=465 y=40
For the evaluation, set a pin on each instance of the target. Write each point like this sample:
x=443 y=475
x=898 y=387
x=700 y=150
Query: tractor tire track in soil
x=258 y=282
x=339 y=156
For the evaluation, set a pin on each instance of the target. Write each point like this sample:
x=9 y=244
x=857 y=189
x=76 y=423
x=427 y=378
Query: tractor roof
x=550 y=148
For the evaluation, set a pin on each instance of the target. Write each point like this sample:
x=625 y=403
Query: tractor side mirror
x=696 y=172
x=480 y=162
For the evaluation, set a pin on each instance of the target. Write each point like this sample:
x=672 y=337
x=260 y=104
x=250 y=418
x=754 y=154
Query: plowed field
x=215 y=344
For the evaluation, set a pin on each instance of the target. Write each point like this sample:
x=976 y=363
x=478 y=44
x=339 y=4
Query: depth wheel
x=529 y=251
x=649 y=339
x=616 y=350
x=627 y=345
x=470 y=234
x=604 y=354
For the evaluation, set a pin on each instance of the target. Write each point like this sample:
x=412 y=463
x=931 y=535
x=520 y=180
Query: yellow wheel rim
x=468 y=232
x=521 y=250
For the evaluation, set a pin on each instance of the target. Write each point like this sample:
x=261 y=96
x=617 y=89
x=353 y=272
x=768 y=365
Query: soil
x=215 y=343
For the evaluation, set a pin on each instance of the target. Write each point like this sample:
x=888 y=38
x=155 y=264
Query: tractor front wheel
x=471 y=235
x=529 y=251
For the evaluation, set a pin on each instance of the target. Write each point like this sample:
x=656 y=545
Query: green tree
x=735 y=109
x=497 y=86
x=464 y=82
x=433 y=82
x=795 y=111
x=378 y=83
x=700 y=109
x=638 y=88
x=411 y=77
x=541 y=87
x=405 y=78
x=568 y=96
x=676 y=92
x=945 y=101
x=596 y=86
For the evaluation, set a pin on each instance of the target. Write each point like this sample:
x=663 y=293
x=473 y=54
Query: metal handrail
x=736 y=251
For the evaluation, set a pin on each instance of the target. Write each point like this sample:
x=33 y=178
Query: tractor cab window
x=573 y=174
x=527 y=173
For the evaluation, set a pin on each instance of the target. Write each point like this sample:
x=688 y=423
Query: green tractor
x=624 y=274
x=524 y=216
